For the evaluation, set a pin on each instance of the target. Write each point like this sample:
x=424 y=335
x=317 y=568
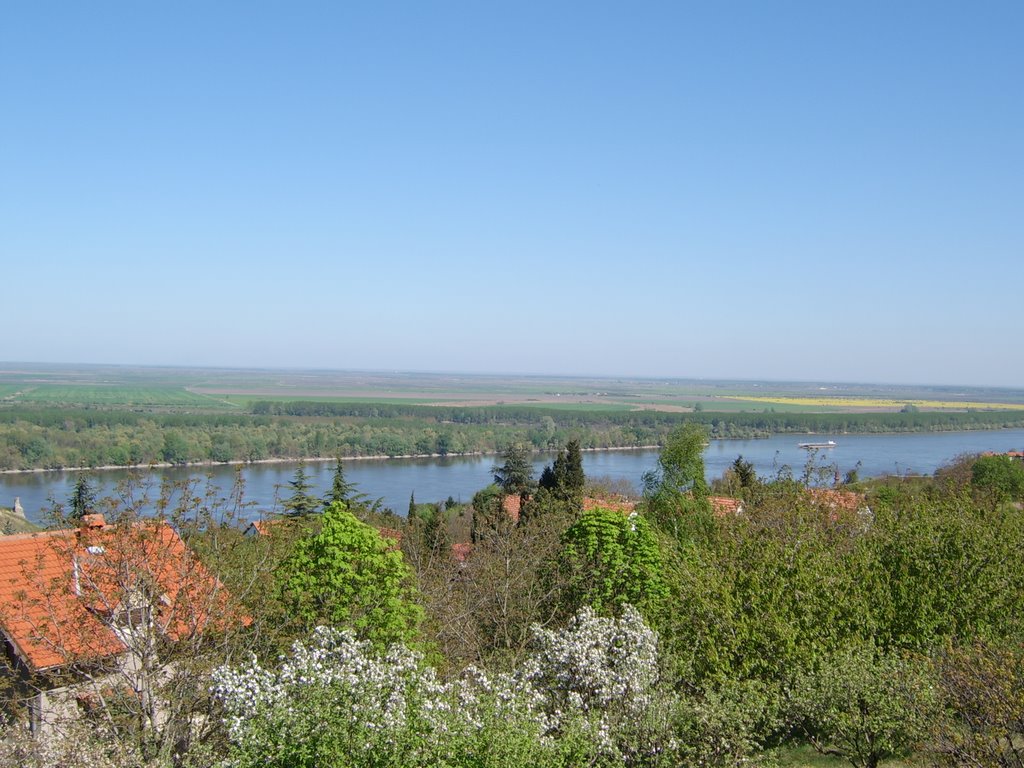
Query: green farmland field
x=115 y=396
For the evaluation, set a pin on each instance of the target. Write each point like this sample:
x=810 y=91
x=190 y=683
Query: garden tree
x=1001 y=476
x=341 y=489
x=676 y=492
x=481 y=604
x=488 y=512
x=758 y=598
x=435 y=531
x=83 y=499
x=746 y=476
x=981 y=687
x=943 y=566
x=864 y=705
x=348 y=575
x=564 y=479
x=301 y=503
x=737 y=480
x=602 y=674
x=515 y=475
x=609 y=559
x=548 y=480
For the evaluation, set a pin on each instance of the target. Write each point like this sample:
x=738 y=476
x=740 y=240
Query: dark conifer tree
x=341 y=489
x=573 y=479
x=547 y=479
x=516 y=474
x=301 y=503
x=83 y=498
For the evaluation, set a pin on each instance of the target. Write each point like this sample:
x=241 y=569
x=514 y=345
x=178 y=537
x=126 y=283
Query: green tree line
x=55 y=438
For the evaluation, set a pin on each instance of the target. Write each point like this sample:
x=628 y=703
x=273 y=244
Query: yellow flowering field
x=869 y=402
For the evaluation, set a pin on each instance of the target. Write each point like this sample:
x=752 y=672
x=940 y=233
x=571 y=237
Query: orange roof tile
x=512 y=505
x=616 y=504
x=723 y=506
x=836 y=501
x=60 y=591
x=461 y=552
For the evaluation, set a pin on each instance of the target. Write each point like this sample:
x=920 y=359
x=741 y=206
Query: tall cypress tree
x=573 y=478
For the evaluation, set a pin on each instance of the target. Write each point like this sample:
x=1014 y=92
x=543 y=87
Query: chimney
x=92 y=521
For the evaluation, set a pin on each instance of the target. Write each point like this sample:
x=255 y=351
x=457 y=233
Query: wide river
x=435 y=479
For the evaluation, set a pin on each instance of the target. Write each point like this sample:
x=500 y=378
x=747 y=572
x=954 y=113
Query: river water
x=435 y=479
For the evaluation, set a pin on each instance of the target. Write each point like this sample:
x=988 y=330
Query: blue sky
x=785 y=190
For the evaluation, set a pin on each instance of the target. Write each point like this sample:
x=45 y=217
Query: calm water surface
x=436 y=479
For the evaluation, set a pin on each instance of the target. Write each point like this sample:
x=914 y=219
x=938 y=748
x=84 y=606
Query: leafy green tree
x=609 y=559
x=175 y=448
x=301 y=503
x=864 y=706
x=1001 y=476
x=943 y=567
x=349 y=576
x=680 y=470
x=982 y=692
x=83 y=499
x=676 y=492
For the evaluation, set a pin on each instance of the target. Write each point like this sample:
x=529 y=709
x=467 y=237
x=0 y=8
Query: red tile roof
x=837 y=501
x=461 y=552
x=60 y=591
x=615 y=504
x=512 y=505
x=723 y=506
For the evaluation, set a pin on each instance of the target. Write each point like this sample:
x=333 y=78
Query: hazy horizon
x=5 y=365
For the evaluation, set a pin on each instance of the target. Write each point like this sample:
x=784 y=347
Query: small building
x=84 y=610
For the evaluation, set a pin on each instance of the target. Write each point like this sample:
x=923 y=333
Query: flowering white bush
x=578 y=699
x=599 y=677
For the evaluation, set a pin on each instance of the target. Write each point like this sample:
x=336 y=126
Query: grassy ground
x=12 y=523
x=808 y=757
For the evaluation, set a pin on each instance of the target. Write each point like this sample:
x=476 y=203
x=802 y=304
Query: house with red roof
x=83 y=612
